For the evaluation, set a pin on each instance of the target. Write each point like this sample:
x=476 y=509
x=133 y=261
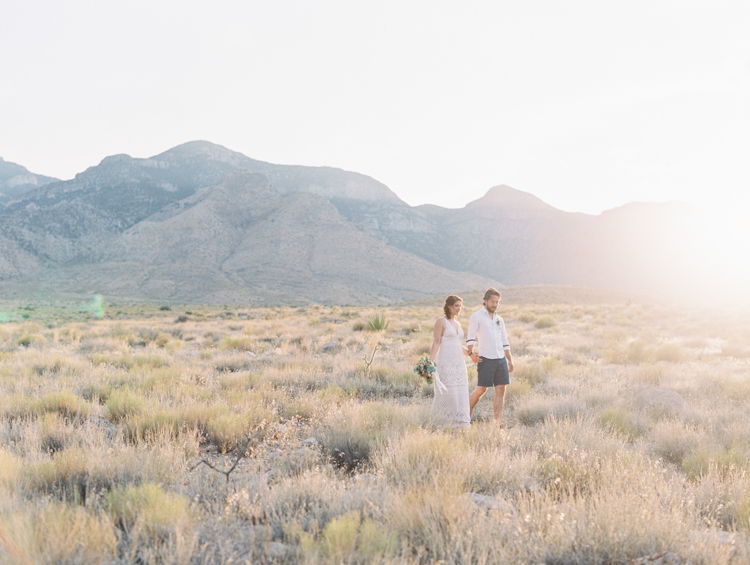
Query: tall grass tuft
x=149 y=506
x=123 y=404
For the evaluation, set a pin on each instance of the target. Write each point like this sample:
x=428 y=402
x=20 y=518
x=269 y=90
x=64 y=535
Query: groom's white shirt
x=490 y=331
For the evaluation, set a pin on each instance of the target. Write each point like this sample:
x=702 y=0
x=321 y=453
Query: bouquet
x=426 y=369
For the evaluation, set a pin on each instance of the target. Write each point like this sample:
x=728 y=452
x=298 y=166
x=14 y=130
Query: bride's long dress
x=451 y=407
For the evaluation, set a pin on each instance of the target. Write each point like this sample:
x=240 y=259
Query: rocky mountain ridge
x=175 y=227
x=200 y=222
x=16 y=180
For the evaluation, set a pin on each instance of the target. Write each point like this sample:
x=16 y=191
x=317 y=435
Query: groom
x=494 y=362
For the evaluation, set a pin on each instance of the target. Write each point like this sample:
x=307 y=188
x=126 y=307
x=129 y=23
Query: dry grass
x=626 y=434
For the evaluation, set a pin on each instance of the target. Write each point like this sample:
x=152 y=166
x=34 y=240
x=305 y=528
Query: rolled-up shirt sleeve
x=471 y=337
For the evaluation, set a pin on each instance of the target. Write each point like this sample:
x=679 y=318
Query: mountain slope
x=16 y=180
x=202 y=220
x=238 y=241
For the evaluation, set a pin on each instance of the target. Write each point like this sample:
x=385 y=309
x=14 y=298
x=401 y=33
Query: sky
x=588 y=105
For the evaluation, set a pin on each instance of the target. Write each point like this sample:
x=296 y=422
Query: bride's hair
x=450 y=301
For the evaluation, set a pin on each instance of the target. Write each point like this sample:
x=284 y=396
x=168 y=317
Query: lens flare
x=96 y=306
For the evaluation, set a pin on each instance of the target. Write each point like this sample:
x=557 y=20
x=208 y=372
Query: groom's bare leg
x=474 y=398
x=498 y=402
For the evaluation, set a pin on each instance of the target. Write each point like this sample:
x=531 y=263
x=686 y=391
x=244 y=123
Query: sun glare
x=723 y=239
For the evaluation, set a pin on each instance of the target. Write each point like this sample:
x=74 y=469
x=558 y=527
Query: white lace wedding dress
x=450 y=407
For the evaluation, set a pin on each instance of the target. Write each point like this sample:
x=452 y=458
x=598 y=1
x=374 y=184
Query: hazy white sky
x=586 y=104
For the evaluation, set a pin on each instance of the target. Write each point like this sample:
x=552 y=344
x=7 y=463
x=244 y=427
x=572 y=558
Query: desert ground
x=222 y=434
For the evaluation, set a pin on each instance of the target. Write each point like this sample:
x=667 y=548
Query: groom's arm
x=506 y=348
x=471 y=337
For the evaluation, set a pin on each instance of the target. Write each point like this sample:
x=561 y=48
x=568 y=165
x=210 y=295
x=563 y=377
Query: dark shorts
x=492 y=372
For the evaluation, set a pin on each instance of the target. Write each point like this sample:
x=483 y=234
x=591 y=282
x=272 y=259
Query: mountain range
x=202 y=223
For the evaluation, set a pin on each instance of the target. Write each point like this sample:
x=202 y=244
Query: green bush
x=157 y=511
x=545 y=321
x=123 y=404
x=619 y=420
x=704 y=460
x=65 y=403
x=31 y=339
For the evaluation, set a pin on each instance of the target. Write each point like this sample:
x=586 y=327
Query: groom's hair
x=490 y=292
x=450 y=301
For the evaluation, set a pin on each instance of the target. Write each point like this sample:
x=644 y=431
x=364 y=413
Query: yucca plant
x=378 y=323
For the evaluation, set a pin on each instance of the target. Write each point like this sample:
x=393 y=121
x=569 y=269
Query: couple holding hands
x=452 y=404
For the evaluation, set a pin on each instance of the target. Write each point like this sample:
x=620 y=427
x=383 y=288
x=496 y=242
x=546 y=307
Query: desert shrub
x=303 y=408
x=296 y=463
x=403 y=383
x=164 y=308
x=163 y=339
x=339 y=537
x=550 y=364
x=673 y=440
x=571 y=473
x=68 y=476
x=420 y=458
x=10 y=468
x=743 y=510
x=147 y=505
x=237 y=381
x=533 y=410
x=123 y=403
x=638 y=351
x=65 y=403
x=620 y=421
x=237 y=343
x=671 y=352
x=117 y=361
x=147 y=427
x=55 y=366
x=227 y=430
x=54 y=434
x=162 y=378
x=350 y=535
x=649 y=374
x=232 y=364
x=150 y=361
x=332 y=395
x=526 y=318
x=434 y=522
x=736 y=387
x=722 y=460
x=528 y=371
x=422 y=347
x=545 y=321
x=359 y=326
x=635 y=352
x=353 y=433
x=100 y=391
x=377 y=323
x=31 y=340
x=516 y=390
x=37 y=530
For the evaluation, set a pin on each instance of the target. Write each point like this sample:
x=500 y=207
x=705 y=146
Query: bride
x=451 y=403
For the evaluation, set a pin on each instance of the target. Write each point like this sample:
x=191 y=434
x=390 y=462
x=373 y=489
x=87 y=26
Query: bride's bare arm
x=437 y=337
